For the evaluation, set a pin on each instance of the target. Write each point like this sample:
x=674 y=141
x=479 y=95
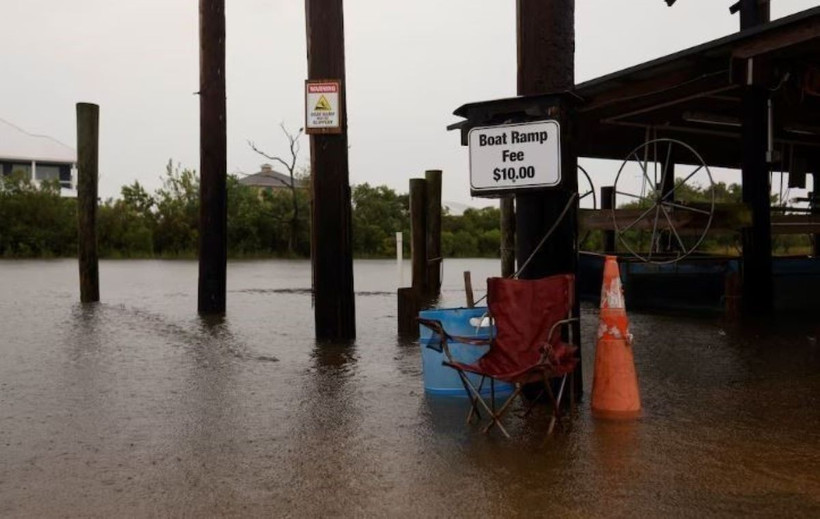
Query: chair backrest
x=524 y=311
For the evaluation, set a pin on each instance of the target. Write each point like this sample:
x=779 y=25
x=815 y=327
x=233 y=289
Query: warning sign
x=323 y=106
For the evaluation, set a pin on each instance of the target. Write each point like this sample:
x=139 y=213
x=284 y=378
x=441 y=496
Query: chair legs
x=477 y=402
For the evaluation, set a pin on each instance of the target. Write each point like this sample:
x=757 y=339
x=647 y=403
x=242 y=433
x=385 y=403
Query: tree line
x=35 y=221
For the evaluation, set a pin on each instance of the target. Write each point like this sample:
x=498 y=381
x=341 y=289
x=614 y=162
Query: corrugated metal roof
x=17 y=144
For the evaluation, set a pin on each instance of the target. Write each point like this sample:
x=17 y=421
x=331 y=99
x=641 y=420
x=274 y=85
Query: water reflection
x=326 y=454
x=137 y=407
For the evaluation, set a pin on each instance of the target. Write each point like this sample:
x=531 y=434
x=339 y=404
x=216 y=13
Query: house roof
x=17 y=144
x=268 y=177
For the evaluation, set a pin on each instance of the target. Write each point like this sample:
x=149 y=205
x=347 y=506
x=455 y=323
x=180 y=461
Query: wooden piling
x=332 y=255
x=546 y=63
x=607 y=202
x=507 y=209
x=468 y=289
x=408 y=309
x=814 y=203
x=418 y=234
x=433 y=232
x=88 y=124
x=213 y=205
x=758 y=289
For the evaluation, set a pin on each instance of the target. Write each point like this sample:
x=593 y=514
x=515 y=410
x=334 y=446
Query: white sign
x=322 y=106
x=515 y=156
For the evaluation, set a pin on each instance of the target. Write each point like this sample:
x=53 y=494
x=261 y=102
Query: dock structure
x=747 y=101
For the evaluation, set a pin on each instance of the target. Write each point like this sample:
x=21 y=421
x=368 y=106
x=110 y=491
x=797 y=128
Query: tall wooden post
x=814 y=203
x=546 y=64
x=757 y=240
x=418 y=238
x=88 y=124
x=433 y=232
x=213 y=205
x=607 y=201
x=507 y=208
x=332 y=255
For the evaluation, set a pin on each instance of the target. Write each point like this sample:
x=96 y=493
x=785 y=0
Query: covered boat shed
x=749 y=101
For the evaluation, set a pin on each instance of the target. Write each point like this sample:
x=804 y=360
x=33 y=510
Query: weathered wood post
x=607 y=199
x=758 y=287
x=88 y=124
x=814 y=203
x=418 y=235
x=507 y=208
x=213 y=210
x=332 y=255
x=433 y=232
x=546 y=63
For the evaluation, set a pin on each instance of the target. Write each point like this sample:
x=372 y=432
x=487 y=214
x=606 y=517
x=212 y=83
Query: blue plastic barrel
x=463 y=322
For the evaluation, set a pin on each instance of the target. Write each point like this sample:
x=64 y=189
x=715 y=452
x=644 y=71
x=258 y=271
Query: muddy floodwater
x=136 y=407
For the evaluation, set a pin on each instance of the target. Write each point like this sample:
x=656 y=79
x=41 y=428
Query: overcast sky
x=409 y=65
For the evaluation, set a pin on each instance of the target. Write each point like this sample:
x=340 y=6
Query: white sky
x=409 y=65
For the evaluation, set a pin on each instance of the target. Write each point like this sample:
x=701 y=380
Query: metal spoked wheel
x=586 y=197
x=666 y=191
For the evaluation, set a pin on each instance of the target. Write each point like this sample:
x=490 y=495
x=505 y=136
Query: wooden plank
x=806 y=31
x=729 y=217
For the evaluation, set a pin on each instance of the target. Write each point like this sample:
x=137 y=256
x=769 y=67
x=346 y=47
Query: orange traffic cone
x=614 y=383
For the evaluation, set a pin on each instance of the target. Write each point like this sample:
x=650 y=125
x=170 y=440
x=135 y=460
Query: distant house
x=39 y=157
x=271 y=180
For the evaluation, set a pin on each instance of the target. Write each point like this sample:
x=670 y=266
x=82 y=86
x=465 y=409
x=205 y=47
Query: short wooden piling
x=408 y=309
x=507 y=207
x=607 y=202
x=418 y=238
x=433 y=232
x=88 y=124
x=468 y=289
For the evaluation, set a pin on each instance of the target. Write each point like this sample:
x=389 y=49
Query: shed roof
x=694 y=95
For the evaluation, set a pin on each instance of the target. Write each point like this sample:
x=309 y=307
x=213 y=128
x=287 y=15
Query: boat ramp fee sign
x=323 y=112
x=514 y=156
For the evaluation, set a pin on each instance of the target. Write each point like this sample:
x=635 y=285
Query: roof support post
x=757 y=239
x=758 y=290
x=546 y=63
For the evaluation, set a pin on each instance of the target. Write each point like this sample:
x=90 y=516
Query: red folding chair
x=527 y=346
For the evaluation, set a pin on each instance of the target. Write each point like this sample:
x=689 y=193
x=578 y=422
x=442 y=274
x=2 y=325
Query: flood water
x=135 y=407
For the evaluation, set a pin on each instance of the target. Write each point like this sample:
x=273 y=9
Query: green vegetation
x=35 y=221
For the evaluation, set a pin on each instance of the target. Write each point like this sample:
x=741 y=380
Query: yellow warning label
x=323 y=105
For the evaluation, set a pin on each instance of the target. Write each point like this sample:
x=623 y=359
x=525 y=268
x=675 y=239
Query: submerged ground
x=136 y=407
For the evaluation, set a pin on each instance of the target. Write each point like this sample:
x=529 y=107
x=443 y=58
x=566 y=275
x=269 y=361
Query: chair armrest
x=560 y=323
x=548 y=348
